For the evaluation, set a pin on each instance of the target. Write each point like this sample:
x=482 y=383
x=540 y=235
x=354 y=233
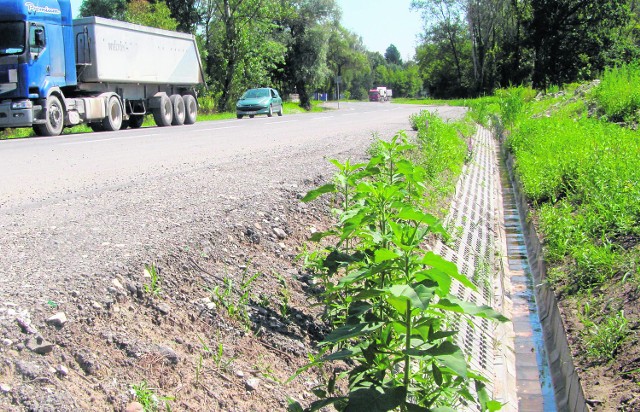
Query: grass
x=580 y=170
x=428 y=101
x=149 y=399
x=618 y=94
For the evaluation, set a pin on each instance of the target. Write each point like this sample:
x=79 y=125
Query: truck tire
x=96 y=127
x=135 y=121
x=190 y=109
x=113 y=121
x=178 y=110
x=54 y=116
x=163 y=115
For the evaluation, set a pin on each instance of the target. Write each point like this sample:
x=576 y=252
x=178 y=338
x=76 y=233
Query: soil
x=609 y=385
x=208 y=335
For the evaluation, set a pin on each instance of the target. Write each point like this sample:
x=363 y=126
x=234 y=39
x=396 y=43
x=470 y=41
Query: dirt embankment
x=224 y=325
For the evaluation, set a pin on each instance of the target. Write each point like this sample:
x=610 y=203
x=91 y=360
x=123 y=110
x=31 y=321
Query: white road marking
x=216 y=128
x=111 y=138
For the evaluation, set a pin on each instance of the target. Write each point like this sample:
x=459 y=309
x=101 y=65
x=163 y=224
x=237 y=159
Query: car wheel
x=251 y=116
x=270 y=114
x=239 y=116
x=281 y=112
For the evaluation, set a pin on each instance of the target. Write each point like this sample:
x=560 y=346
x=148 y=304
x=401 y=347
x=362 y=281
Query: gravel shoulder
x=210 y=338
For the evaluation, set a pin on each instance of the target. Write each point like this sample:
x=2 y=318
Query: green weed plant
x=618 y=94
x=386 y=297
x=149 y=399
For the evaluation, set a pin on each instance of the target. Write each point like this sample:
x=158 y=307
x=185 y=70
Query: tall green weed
x=581 y=174
x=618 y=94
x=386 y=296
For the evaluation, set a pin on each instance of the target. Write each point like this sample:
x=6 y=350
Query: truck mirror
x=39 y=38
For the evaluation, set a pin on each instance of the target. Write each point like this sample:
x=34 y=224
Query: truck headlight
x=22 y=104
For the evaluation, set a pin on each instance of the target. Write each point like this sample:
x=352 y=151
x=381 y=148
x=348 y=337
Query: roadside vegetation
x=577 y=155
x=386 y=298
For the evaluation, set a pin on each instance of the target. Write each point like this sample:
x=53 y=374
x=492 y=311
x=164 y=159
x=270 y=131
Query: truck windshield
x=12 y=38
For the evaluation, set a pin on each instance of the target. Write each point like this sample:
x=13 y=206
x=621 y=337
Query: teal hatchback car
x=259 y=101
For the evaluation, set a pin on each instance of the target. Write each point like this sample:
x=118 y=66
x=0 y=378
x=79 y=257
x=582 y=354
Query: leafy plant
x=386 y=297
x=153 y=287
x=149 y=399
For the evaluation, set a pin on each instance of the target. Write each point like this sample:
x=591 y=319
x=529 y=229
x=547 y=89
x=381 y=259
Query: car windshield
x=254 y=93
x=12 y=38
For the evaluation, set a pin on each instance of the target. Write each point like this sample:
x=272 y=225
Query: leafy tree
x=307 y=26
x=392 y=55
x=569 y=37
x=240 y=49
x=185 y=12
x=150 y=14
x=444 y=19
x=347 y=58
x=110 y=9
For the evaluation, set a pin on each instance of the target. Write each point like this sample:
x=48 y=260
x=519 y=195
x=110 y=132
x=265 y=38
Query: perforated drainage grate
x=474 y=221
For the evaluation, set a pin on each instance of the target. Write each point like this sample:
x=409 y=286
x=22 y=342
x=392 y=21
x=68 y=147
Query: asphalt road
x=77 y=209
x=38 y=171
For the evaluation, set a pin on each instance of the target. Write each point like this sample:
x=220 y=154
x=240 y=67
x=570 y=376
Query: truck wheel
x=96 y=127
x=113 y=121
x=54 y=117
x=163 y=115
x=178 y=110
x=135 y=121
x=190 y=109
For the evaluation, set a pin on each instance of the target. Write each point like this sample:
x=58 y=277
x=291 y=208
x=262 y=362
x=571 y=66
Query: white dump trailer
x=148 y=70
x=57 y=72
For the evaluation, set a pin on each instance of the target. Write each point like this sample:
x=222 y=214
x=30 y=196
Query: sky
x=380 y=23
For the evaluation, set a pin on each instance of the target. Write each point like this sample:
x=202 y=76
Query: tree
x=348 y=59
x=185 y=12
x=444 y=18
x=569 y=38
x=110 y=9
x=240 y=50
x=307 y=26
x=392 y=55
x=150 y=14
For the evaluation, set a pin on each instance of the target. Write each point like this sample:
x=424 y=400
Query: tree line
x=296 y=46
x=467 y=48
x=472 y=47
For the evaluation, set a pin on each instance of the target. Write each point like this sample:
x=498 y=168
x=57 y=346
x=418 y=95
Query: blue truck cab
x=37 y=58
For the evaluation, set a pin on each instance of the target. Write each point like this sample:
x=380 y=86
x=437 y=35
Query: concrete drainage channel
x=488 y=246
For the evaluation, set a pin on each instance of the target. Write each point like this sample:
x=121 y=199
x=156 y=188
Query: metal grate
x=474 y=210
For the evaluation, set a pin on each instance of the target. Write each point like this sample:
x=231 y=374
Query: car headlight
x=22 y=104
